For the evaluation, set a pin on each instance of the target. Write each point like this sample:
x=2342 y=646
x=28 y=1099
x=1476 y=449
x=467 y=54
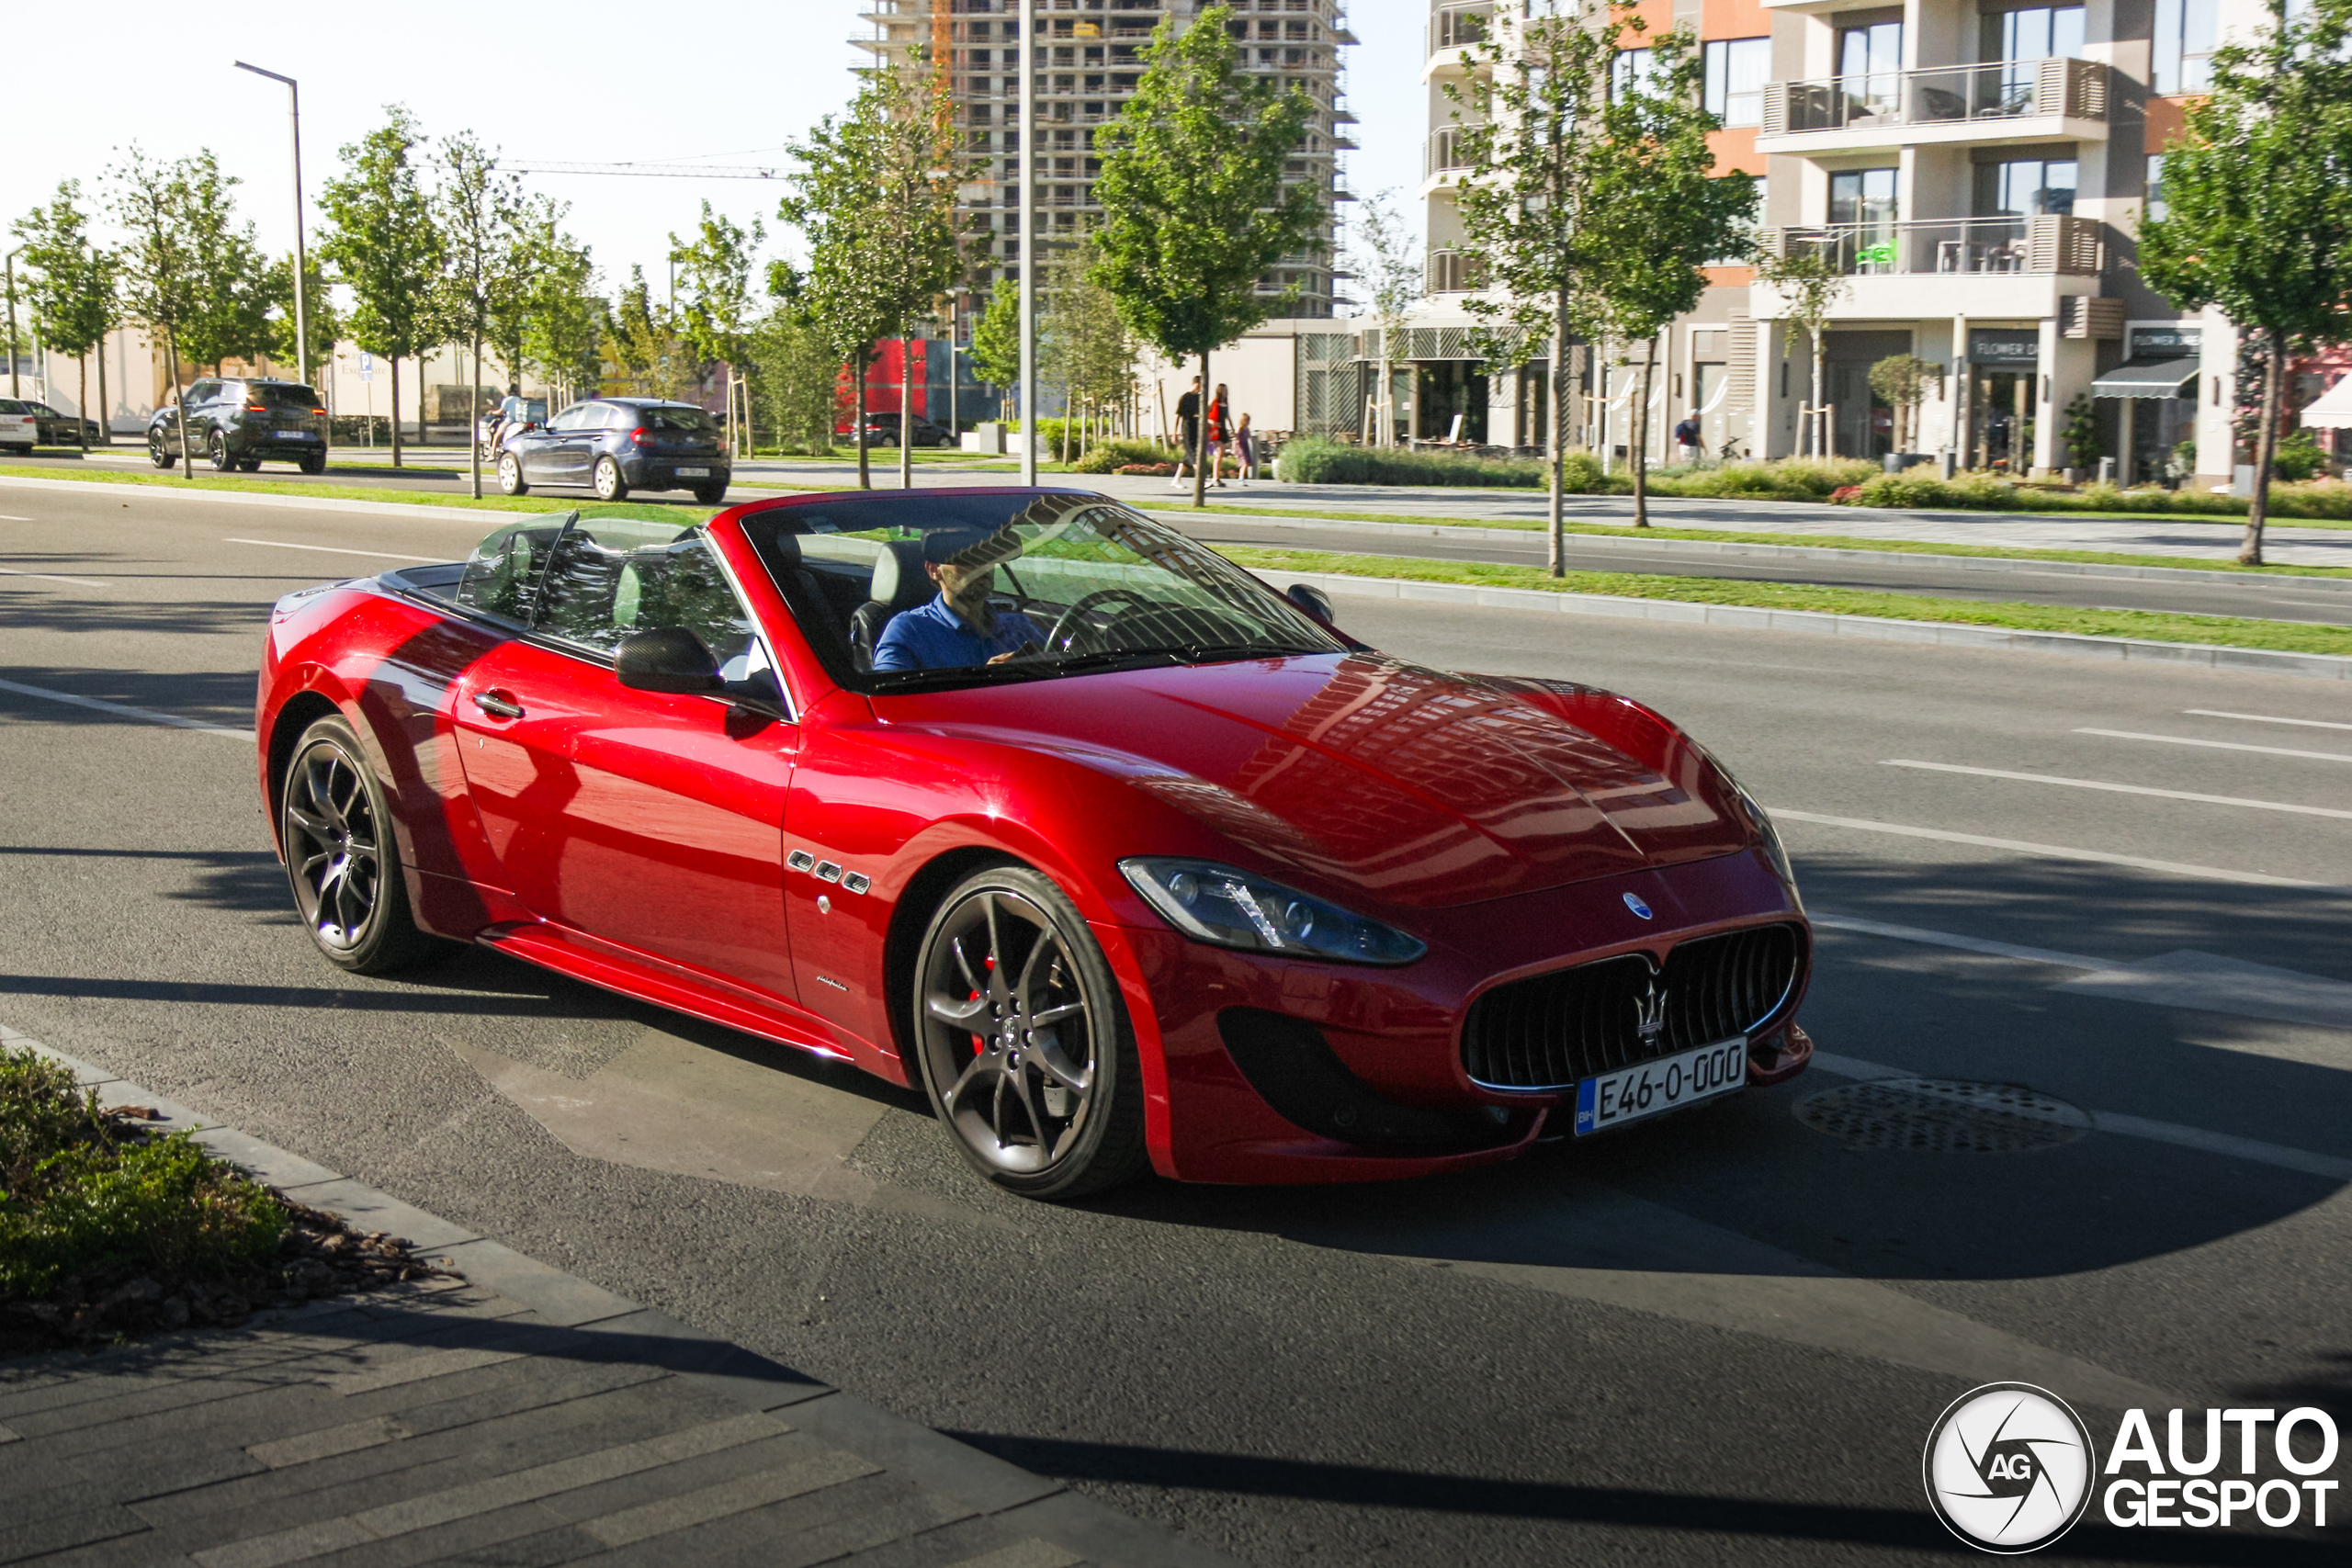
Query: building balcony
x=1443 y=158
x=2010 y=100
x=2018 y=267
x=1454 y=272
x=1451 y=30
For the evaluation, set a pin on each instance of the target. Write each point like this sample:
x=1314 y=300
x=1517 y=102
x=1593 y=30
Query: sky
x=582 y=82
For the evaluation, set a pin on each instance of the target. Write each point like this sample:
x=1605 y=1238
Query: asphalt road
x=1721 y=1339
x=2320 y=600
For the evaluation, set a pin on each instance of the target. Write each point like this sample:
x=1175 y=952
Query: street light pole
x=12 y=321
x=1028 y=261
x=302 y=262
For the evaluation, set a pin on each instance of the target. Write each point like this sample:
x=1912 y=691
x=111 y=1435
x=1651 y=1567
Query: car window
x=283 y=396
x=31 y=407
x=610 y=577
x=667 y=417
x=202 y=392
x=570 y=418
x=619 y=416
x=10 y=405
x=502 y=575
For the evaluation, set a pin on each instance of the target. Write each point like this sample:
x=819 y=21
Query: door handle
x=497 y=703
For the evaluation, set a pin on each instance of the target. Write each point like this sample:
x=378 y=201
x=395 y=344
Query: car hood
x=1379 y=780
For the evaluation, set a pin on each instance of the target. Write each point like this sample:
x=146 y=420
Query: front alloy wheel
x=611 y=484
x=1025 y=1043
x=340 y=858
x=157 y=452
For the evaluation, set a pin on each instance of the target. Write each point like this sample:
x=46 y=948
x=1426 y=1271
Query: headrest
x=898 y=577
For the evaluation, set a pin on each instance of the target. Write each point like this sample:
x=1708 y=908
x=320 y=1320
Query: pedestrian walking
x=1686 y=439
x=1244 y=449
x=1220 y=433
x=1188 y=433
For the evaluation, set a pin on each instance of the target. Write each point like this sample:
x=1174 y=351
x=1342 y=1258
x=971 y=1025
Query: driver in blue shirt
x=959 y=629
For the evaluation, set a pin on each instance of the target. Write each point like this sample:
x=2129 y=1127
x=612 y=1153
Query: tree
x=230 y=318
x=876 y=197
x=793 y=367
x=325 y=323
x=996 y=336
x=641 y=342
x=160 y=276
x=1658 y=213
x=478 y=212
x=565 y=326
x=1810 y=284
x=1386 y=259
x=1087 y=347
x=2083 y=443
x=549 y=271
x=1535 y=101
x=382 y=241
x=1902 y=379
x=717 y=271
x=1195 y=206
x=73 y=283
x=2258 y=191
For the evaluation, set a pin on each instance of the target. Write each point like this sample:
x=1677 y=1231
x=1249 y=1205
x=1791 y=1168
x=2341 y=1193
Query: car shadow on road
x=224 y=697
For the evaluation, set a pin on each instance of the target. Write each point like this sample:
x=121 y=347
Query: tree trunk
x=857 y=373
x=83 y=395
x=1642 y=439
x=473 y=415
x=906 y=413
x=1820 y=433
x=1201 y=434
x=1557 y=436
x=179 y=404
x=2266 y=448
x=106 y=416
x=393 y=360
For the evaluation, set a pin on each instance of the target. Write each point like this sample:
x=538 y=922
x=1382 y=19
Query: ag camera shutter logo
x=2009 y=1468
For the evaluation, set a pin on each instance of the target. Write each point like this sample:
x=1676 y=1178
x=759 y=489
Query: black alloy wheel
x=510 y=475
x=1025 y=1046
x=611 y=484
x=340 y=857
x=158 y=452
x=217 y=450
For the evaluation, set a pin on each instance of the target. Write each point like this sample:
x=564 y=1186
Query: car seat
x=900 y=583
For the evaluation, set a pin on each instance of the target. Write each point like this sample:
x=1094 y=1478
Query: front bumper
x=1372 y=1077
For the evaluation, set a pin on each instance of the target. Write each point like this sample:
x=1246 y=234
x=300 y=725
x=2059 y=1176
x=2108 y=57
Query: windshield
x=272 y=395
x=939 y=589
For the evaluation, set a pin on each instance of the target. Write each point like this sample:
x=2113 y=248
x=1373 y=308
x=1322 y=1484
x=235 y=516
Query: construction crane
x=647 y=171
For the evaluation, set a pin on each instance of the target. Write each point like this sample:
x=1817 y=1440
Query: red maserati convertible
x=1125 y=857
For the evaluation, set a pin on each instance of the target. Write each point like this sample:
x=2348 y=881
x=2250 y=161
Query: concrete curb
x=1932 y=561
x=980 y=1481
x=2209 y=656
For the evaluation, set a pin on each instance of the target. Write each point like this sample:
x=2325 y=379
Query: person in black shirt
x=1686 y=437
x=1188 y=429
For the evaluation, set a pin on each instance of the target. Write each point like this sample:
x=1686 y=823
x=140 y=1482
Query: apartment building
x=1976 y=168
x=1087 y=62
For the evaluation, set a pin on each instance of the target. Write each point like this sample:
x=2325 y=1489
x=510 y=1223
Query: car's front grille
x=1551 y=1030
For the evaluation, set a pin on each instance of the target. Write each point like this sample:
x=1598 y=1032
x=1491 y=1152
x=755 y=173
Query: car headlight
x=1216 y=904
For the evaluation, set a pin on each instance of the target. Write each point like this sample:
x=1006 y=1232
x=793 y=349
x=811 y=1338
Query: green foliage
x=1195 y=206
x=1110 y=457
x=795 y=377
x=2299 y=457
x=996 y=336
x=480 y=215
x=641 y=343
x=1902 y=380
x=544 y=319
x=382 y=241
x=70 y=281
x=2081 y=432
x=79 y=1194
x=324 y=321
x=191 y=271
x=1386 y=259
x=715 y=283
x=1313 y=461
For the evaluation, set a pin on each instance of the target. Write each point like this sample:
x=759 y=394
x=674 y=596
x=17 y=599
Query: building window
x=2157 y=206
x=2026 y=188
x=1736 y=70
x=1862 y=195
x=1869 y=66
x=1630 y=71
x=2186 y=31
x=2033 y=32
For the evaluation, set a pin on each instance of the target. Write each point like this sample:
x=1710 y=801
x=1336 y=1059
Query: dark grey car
x=238 y=423
x=613 y=445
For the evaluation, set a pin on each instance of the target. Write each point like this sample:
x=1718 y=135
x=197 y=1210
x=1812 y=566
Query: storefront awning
x=2145 y=379
x=2333 y=411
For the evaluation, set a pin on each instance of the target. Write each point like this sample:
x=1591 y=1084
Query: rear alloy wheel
x=218 y=449
x=340 y=857
x=610 y=484
x=510 y=475
x=157 y=453
x=1025 y=1046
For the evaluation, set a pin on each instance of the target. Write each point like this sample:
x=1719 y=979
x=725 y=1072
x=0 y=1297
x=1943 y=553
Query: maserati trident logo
x=1649 y=1015
x=1633 y=902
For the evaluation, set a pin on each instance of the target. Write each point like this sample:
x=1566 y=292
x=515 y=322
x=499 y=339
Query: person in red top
x=1220 y=433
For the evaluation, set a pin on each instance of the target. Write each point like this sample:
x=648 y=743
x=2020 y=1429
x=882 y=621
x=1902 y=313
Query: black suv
x=238 y=423
x=617 y=445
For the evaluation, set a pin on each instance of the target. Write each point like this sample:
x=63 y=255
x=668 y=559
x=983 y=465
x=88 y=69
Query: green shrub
x=1786 y=478
x=1110 y=457
x=80 y=1194
x=1313 y=461
x=2297 y=457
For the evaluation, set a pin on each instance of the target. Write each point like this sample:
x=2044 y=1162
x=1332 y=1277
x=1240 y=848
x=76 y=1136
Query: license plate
x=1668 y=1084
x=298 y=435
x=693 y=473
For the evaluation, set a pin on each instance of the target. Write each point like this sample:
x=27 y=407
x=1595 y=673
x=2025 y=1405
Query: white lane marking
x=147 y=715
x=2218 y=745
x=2250 y=1150
x=10 y=517
x=2267 y=719
x=2117 y=788
x=1954 y=940
x=51 y=577
x=2056 y=851
x=330 y=550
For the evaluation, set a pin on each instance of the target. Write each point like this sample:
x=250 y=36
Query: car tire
x=157 y=453
x=217 y=448
x=510 y=475
x=342 y=862
x=250 y=466
x=1041 y=1117
x=710 y=494
x=610 y=484
x=312 y=464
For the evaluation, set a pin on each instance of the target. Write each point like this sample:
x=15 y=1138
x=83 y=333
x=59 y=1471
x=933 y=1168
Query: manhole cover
x=1942 y=1116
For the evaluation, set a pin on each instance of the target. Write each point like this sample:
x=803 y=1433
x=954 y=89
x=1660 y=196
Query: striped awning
x=2147 y=378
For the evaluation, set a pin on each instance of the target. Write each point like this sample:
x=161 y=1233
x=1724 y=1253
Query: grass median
x=1813 y=541
x=2227 y=631
x=316 y=490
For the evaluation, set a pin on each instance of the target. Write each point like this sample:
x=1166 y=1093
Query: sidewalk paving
x=518 y=1414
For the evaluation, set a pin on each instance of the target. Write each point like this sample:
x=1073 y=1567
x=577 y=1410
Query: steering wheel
x=1066 y=624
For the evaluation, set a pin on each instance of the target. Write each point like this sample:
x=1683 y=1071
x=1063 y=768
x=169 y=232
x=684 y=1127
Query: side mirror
x=668 y=659
x=1314 y=600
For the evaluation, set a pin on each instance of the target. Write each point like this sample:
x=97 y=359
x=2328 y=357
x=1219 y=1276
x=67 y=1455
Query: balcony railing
x=1951 y=95
x=1457 y=27
x=1446 y=150
x=1456 y=272
x=2071 y=246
